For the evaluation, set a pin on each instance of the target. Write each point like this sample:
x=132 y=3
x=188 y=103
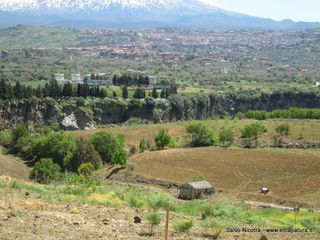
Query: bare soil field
x=29 y=219
x=288 y=174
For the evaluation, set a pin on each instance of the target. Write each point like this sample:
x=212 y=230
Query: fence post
x=167 y=221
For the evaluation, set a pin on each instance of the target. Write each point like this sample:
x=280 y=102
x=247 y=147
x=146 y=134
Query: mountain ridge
x=134 y=14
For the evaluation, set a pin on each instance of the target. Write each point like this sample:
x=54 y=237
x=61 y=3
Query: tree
x=106 y=145
x=67 y=90
x=154 y=93
x=19 y=132
x=45 y=171
x=125 y=92
x=143 y=145
x=283 y=129
x=120 y=157
x=163 y=93
x=139 y=93
x=226 y=137
x=59 y=146
x=201 y=135
x=85 y=153
x=252 y=132
x=162 y=139
x=154 y=219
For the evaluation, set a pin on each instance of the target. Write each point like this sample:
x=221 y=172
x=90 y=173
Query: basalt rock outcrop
x=79 y=113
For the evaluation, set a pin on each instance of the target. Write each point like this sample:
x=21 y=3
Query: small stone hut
x=193 y=190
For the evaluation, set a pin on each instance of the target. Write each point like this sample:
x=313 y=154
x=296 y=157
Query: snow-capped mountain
x=99 y=5
x=131 y=14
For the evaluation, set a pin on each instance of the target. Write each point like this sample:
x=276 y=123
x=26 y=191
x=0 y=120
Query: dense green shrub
x=119 y=157
x=106 y=144
x=143 y=145
x=252 y=132
x=283 y=129
x=182 y=225
x=59 y=146
x=136 y=203
x=19 y=132
x=85 y=152
x=162 y=139
x=226 y=137
x=6 y=138
x=45 y=171
x=291 y=113
x=201 y=135
x=86 y=169
x=154 y=219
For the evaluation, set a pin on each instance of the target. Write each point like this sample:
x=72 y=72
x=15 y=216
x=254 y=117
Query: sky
x=298 y=10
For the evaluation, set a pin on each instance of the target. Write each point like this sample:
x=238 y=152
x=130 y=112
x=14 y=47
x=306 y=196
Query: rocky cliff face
x=78 y=113
x=32 y=112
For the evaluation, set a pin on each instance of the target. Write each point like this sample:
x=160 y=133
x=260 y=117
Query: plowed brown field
x=288 y=174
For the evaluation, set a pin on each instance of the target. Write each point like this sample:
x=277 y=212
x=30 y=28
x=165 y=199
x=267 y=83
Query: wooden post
x=148 y=199
x=167 y=221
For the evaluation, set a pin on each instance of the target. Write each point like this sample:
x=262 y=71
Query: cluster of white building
x=76 y=79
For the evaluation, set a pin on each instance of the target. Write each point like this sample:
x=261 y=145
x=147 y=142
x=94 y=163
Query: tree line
x=291 y=113
x=129 y=80
x=50 y=89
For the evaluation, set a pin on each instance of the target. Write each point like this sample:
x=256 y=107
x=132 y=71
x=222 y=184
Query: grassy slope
x=307 y=129
x=12 y=167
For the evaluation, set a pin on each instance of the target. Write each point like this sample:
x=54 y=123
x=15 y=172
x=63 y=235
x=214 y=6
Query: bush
x=153 y=219
x=19 y=132
x=201 y=135
x=45 y=171
x=215 y=226
x=162 y=139
x=120 y=157
x=86 y=169
x=157 y=202
x=226 y=138
x=251 y=132
x=106 y=144
x=182 y=225
x=85 y=152
x=6 y=138
x=283 y=129
x=136 y=203
x=59 y=146
x=143 y=145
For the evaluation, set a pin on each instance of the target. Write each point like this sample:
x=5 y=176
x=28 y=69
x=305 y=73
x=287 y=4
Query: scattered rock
x=137 y=220
x=263 y=237
x=106 y=221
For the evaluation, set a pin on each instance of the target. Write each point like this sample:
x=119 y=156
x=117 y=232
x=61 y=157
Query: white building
x=75 y=77
x=152 y=80
x=59 y=77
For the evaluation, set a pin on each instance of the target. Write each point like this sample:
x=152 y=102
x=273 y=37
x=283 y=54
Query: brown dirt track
x=291 y=175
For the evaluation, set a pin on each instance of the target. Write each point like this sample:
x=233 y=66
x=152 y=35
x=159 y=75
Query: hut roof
x=200 y=185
